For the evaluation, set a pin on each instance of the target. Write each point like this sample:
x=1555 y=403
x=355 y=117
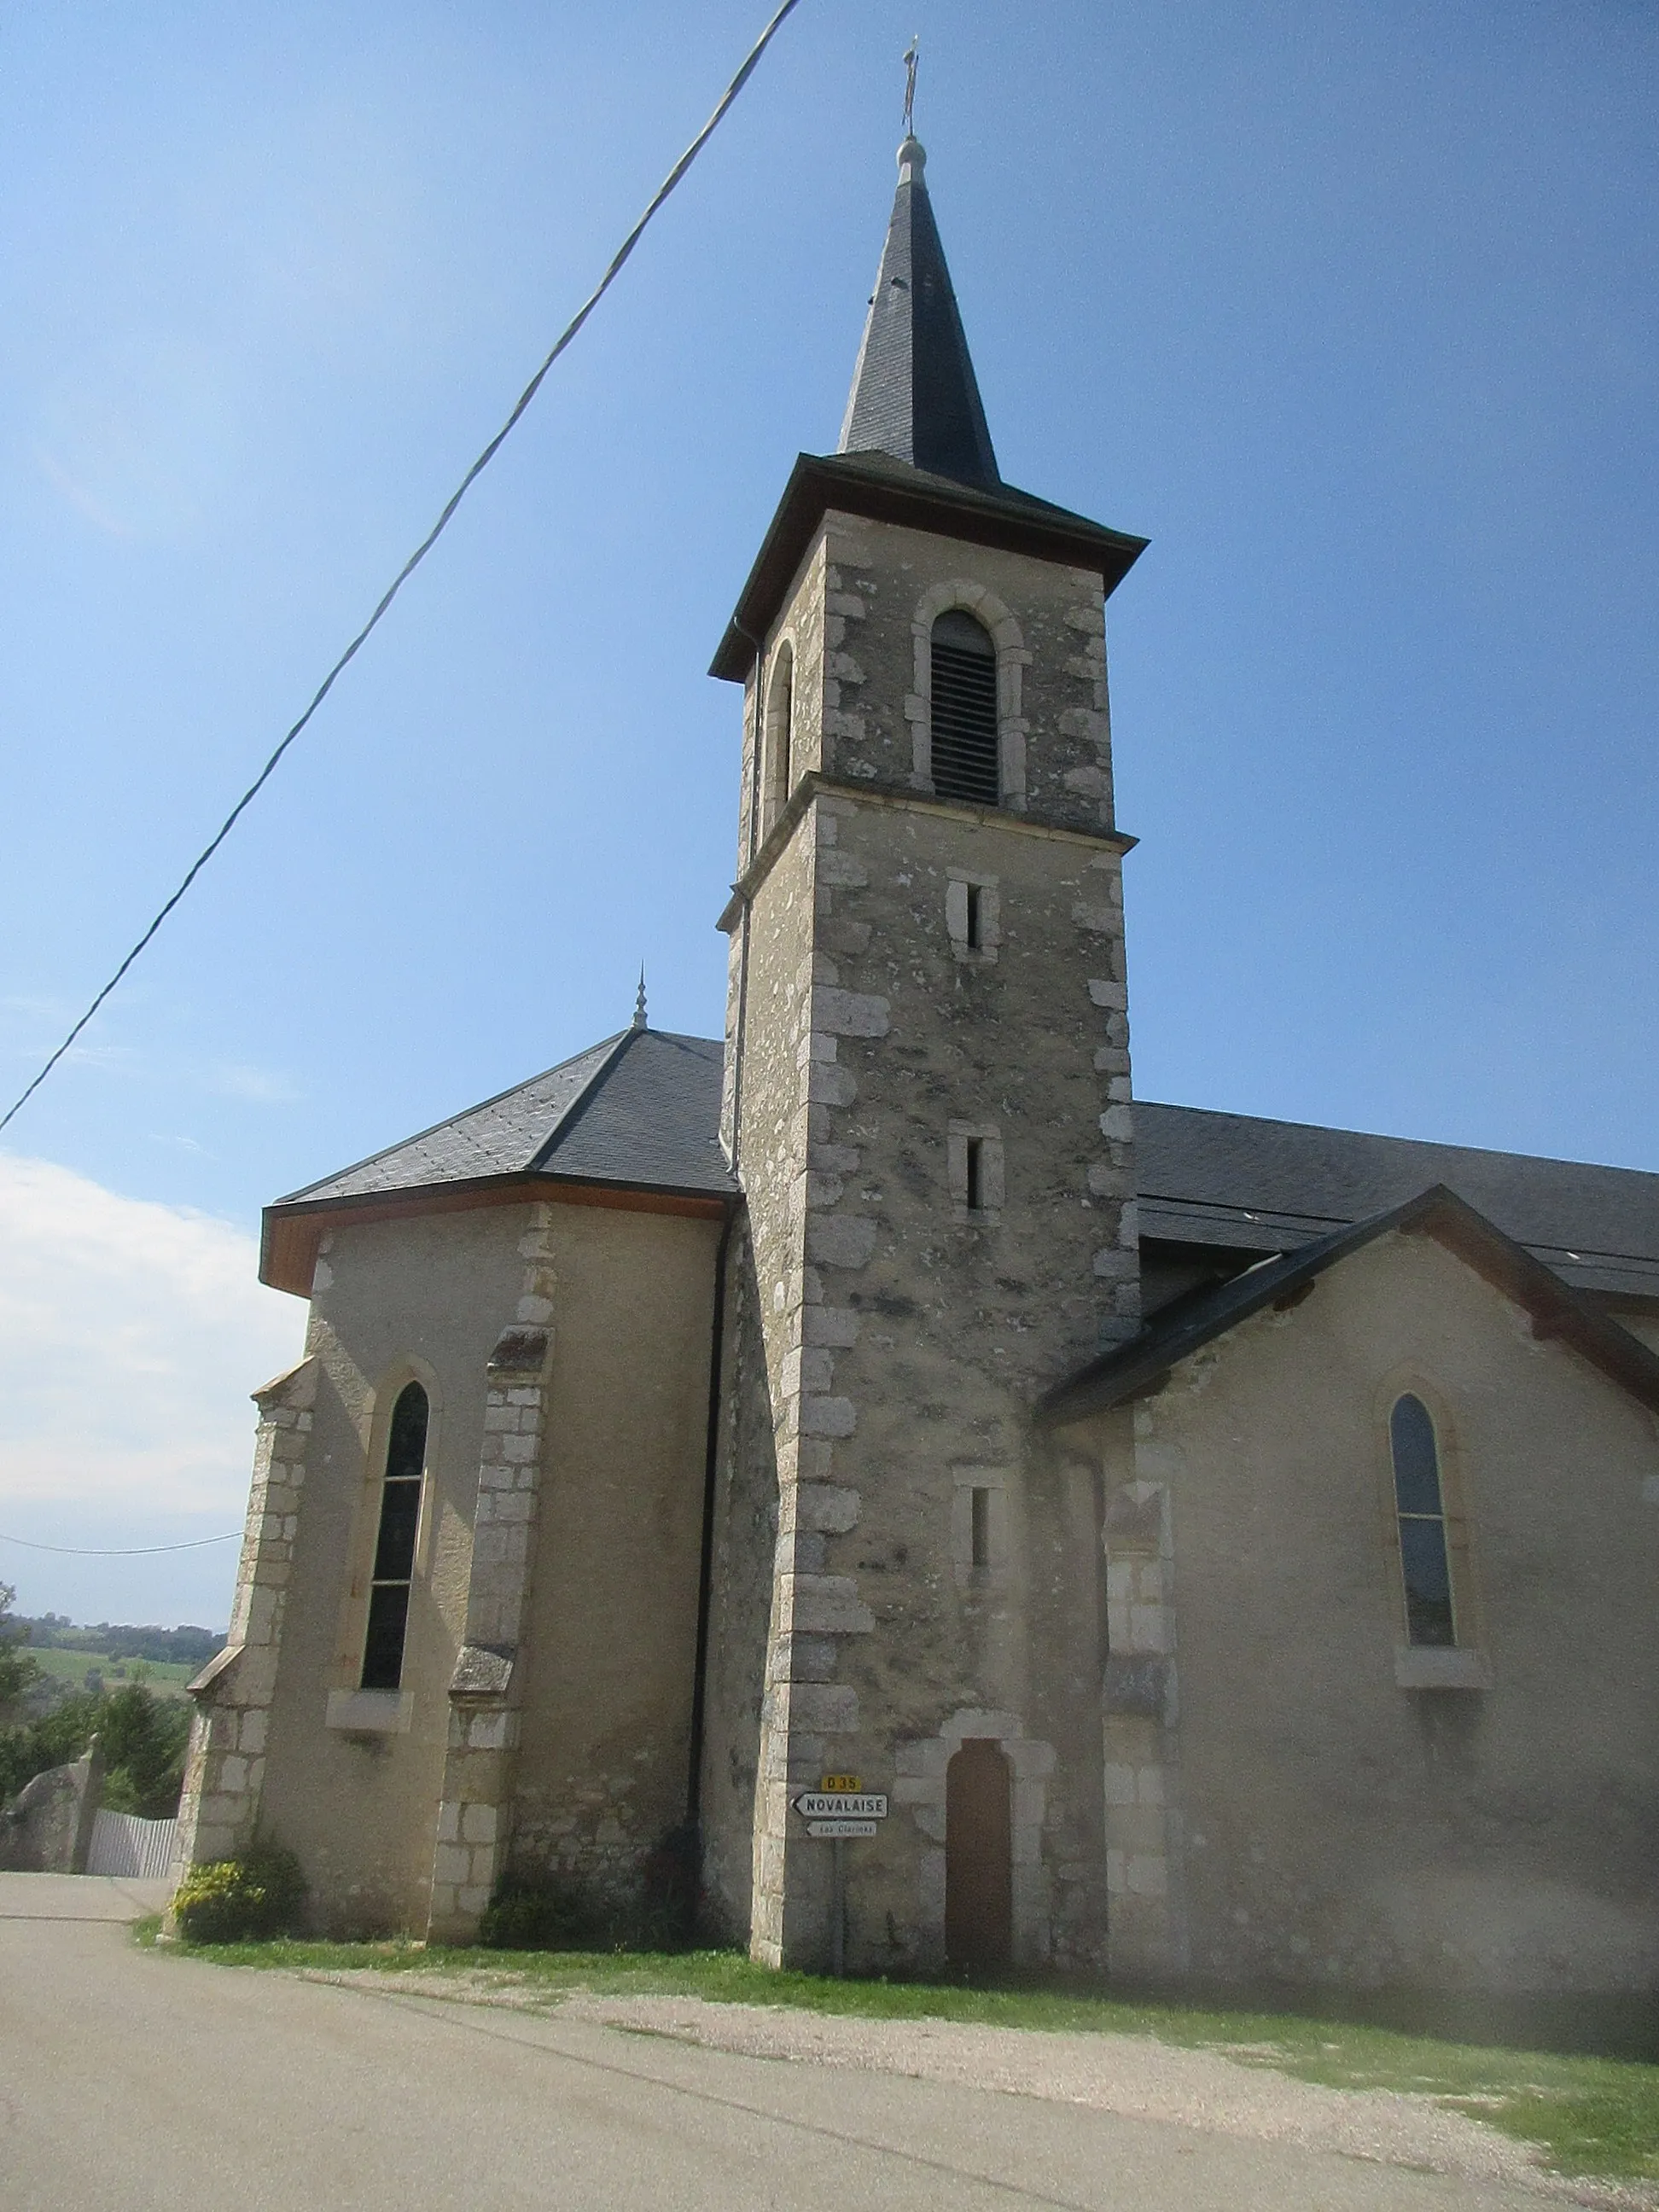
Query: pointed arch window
x=964 y=711
x=780 y=736
x=394 y=1547
x=1420 y=1510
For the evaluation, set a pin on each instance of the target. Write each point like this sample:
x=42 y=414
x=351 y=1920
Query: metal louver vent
x=964 y=716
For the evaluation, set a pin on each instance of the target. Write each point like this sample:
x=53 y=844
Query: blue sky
x=1351 y=309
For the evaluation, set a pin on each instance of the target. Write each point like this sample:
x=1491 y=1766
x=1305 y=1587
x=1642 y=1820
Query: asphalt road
x=131 y=2079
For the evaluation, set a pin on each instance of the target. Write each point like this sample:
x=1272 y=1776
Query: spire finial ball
x=912 y=160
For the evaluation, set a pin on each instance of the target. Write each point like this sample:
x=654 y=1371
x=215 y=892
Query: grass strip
x=1587 y=2115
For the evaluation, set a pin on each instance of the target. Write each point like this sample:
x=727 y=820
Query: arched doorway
x=979 y=1890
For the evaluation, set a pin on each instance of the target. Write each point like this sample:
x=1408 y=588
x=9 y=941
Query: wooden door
x=979 y=1892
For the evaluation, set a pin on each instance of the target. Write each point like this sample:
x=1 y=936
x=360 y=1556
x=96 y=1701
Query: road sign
x=840 y=1782
x=849 y=1804
x=839 y=1828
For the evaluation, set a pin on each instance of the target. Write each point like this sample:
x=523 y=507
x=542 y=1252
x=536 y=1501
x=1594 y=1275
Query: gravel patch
x=1136 y=2076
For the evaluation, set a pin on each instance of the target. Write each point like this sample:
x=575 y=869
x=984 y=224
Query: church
x=1214 y=1550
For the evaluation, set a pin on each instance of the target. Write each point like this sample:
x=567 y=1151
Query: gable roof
x=638 y=1113
x=914 y=394
x=1134 y=1369
x=1252 y=1185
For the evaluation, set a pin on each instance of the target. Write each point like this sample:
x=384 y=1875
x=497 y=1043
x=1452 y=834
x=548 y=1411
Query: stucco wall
x=1331 y=1826
x=603 y=1765
x=392 y=1301
x=604 y=1675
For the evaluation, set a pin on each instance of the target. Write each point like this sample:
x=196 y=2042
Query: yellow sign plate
x=839 y=1782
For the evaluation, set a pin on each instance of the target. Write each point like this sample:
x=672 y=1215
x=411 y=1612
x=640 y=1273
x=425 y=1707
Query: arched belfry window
x=780 y=736
x=394 y=1547
x=1419 y=1504
x=964 y=711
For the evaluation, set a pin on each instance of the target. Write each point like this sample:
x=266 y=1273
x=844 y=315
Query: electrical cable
x=120 y=1551
x=426 y=545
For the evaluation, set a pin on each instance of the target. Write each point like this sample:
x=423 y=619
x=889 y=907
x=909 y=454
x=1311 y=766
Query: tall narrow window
x=1420 y=1506
x=976 y=1199
x=975 y=936
x=780 y=736
x=980 y=1528
x=964 y=711
x=394 y=1548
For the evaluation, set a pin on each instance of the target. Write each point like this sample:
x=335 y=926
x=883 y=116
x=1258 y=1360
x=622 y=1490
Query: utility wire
x=426 y=545
x=120 y=1551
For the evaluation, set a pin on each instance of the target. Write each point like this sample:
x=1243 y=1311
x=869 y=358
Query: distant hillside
x=182 y=1647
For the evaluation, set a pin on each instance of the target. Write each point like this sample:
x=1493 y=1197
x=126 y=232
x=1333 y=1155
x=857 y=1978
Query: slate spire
x=914 y=392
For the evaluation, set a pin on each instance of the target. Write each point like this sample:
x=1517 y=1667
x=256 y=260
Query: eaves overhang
x=883 y=490
x=1141 y=1366
x=291 y=1231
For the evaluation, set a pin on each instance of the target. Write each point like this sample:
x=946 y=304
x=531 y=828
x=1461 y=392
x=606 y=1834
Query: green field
x=164 y=1679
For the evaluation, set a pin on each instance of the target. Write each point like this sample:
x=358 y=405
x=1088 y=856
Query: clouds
x=130 y=1336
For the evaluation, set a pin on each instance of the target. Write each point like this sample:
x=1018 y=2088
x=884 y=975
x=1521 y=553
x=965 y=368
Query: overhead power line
x=425 y=546
x=120 y=1551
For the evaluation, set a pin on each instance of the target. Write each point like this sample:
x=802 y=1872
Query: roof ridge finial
x=640 y=1021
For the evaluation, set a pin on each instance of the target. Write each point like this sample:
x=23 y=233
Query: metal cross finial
x=639 y=1004
x=912 y=53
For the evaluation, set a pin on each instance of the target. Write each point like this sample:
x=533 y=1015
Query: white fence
x=123 y=1843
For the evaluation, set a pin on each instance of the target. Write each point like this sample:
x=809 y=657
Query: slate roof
x=1133 y=1369
x=1253 y=1185
x=886 y=489
x=914 y=394
x=641 y=1109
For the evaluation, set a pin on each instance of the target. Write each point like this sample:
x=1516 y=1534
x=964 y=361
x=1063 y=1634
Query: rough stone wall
x=905 y=1335
x=745 y=1535
x=47 y=1827
x=1319 y=1821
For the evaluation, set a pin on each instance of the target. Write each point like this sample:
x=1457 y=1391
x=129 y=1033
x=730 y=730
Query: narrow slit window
x=1419 y=1505
x=964 y=711
x=975 y=1198
x=981 y=1528
x=394 y=1546
x=975 y=936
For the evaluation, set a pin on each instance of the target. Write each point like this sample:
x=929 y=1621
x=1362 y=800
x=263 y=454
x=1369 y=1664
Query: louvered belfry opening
x=964 y=711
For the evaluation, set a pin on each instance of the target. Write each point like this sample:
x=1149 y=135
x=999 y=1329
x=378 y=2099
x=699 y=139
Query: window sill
x=372 y=1712
x=1440 y=1667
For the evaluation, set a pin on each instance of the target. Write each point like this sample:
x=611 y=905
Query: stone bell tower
x=928 y=1106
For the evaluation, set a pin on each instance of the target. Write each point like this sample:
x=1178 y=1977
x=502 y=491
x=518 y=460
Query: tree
x=17 y=1669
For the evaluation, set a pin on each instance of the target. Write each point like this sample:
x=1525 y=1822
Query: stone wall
x=219 y=1808
x=745 y=1539
x=906 y=1335
x=47 y=1827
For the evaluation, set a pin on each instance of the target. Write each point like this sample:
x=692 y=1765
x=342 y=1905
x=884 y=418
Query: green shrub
x=244 y=1900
